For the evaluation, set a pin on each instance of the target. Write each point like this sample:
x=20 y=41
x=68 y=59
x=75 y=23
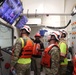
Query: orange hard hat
x=37 y=35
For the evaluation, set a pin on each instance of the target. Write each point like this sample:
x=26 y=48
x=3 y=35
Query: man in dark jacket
x=37 y=53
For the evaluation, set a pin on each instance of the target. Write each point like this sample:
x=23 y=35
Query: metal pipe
x=42 y=14
x=59 y=27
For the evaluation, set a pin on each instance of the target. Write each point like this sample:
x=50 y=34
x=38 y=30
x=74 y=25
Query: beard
x=37 y=41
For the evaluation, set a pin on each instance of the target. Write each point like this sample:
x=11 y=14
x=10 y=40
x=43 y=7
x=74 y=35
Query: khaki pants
x=36 y=65
x=22 y=69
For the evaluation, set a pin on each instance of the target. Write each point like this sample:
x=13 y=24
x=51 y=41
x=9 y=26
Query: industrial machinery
x=6 y=33
x=6 y=43
x=73 y=37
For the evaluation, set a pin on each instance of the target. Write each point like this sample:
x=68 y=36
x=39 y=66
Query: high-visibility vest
x=26 y=59
x=36 y=49
x=46 y=58
x=63 y=51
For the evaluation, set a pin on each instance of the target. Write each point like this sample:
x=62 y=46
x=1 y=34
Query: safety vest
x=27 y=49
x=36 y=48
x=74 y=63
x=46 y=58
x=63 y=51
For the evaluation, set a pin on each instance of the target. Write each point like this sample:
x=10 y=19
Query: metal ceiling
x=51 y=7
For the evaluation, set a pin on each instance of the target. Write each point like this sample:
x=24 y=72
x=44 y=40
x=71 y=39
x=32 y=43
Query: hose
x=59 y=27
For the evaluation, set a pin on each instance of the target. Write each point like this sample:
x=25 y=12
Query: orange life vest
x=74 y=63
x=27 y=50
x=46 y=58
x=36 y=48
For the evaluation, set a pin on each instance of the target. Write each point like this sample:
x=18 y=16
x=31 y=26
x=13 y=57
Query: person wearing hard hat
x=37 y=53
x=22 y=52
x=51 y=56
x=63 y=53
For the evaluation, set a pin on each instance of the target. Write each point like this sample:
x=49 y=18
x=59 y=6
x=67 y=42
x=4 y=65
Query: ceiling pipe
x=64 y=5
x=61 y=14
x=27 y=13
x=35 y=12
x=60 y=27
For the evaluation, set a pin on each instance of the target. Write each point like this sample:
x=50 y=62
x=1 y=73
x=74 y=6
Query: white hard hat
x=27 y=28
x=63 y=31
x=56 y=35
